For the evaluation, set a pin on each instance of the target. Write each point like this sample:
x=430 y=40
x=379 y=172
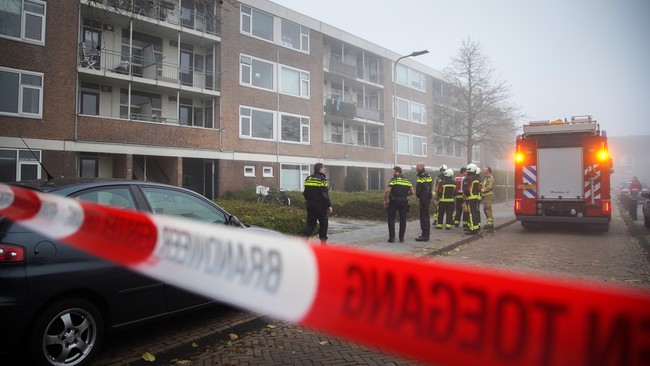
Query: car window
x=113 y=196
x=177 y=203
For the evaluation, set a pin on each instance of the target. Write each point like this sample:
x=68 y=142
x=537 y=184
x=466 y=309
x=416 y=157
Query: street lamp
x=412 y=54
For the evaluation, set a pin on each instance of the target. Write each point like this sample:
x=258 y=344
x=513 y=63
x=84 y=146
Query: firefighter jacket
x=446 y=190
x=436 y=182
x=472 y=187
x=317 y=189
x=459 y=185
x=487 y=185
x=423 y=186
x=399 y=188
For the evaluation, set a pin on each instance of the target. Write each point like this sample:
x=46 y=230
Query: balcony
x=336 y=107
x=137 y=68
x=165 y=11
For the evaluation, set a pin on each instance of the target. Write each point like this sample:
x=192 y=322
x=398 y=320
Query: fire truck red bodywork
x=562 y=173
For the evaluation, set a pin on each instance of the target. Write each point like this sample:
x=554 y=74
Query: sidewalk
x=373 y=235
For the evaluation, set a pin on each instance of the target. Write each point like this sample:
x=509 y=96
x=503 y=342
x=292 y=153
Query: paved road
x=226 y=336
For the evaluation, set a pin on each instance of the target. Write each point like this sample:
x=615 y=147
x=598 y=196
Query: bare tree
x=480 y=113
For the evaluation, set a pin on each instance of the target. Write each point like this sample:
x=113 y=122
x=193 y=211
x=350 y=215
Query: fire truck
x=562 y=173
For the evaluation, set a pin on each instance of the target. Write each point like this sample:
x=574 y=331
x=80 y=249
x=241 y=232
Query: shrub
x=285 y=219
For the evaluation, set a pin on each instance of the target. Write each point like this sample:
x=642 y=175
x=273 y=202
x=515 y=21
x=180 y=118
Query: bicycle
x=274 y=195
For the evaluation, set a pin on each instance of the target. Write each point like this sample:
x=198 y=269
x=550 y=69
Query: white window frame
x=302 y=42
x=243 y=118
x=414 y=79
x=401 y=139
x=423 y=108
x=303 y=80
x=24 y=14
x=403 y=113
x=21 y=89
x=305 y=128
x=267 y=171
x=419 y=141
x=248 y=70
x=249 y=170
x=251 y=14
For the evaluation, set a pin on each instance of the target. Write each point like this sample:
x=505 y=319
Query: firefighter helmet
x=478 y=170
x=449 y=173
x=471 y=168
x=443 y=168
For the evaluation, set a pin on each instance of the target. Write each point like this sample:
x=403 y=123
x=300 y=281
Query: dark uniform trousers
x=397 y=205
x=458 y=203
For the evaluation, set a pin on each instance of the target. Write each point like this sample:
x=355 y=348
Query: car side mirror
x=234 y=221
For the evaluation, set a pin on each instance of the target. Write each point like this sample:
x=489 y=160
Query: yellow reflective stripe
x=424 y=180
x=401 y=182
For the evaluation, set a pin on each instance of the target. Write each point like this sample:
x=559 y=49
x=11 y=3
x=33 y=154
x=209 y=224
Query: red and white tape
x=435 y=312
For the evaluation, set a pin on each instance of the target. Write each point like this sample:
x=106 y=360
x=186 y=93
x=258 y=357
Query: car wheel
x=67 y=333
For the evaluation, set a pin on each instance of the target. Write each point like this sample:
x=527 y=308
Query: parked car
x=646 y=208
x=57 y=302
x=624 y=188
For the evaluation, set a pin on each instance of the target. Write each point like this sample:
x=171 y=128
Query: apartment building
x=209 y=96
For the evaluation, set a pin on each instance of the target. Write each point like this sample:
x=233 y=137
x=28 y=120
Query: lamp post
x=412 y=54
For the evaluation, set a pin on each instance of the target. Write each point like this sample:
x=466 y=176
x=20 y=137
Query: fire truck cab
x=562 y=173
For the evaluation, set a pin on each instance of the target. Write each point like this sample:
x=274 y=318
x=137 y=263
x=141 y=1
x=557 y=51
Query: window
x=144 y=106
x=336 y=132
x=403 y=142
x=256 y=123
x=17 y=165
x=257 y=73
x=294 y=82
x=21 y=93
x=402 y=106
x=419 y=146
x=114 y=196
x=249 y=171
x=411 y=78
x=267 y=171
x=295 y=36
x=418 y=113
x=182 y=204
x=24 y=20
x=293 y=176
x=294 y=128
x=256 y=23
x=89 y=99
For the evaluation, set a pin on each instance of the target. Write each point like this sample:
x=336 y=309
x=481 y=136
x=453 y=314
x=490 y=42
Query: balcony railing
x=336 y=66
x=371 y=114
x=336 y=107
x=167 y=11
x=117 y=63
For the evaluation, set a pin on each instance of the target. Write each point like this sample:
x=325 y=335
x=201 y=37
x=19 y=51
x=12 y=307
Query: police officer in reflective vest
x=446 y=192
x=317 y=199
x=396 y=200
x=423 y=193
x=472 y=193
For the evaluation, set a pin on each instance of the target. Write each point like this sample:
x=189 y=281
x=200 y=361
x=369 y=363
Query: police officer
x=423 y=193
x=487 y=197
x=317 y=199
x=446 y=192
x=396 y=200
x=472 y=193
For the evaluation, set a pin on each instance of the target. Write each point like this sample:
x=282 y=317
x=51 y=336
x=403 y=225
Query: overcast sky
x=560 y=57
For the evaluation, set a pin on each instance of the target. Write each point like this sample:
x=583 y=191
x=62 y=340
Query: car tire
x=67 y=333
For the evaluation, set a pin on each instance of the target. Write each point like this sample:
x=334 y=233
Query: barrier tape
x=441 y=313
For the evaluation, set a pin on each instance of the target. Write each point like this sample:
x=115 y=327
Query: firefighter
x=459 y=200
x=423 y=193
x=487 y=197
x=436 y=183
x=446 y=191
x=472 y=193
